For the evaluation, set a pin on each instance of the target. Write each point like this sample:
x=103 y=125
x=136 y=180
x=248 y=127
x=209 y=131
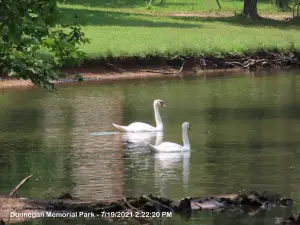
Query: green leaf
x=3 y=29
x=33 y=15
x=12 y=73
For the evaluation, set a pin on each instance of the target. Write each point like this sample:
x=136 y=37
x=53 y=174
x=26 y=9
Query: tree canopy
x=34 y=44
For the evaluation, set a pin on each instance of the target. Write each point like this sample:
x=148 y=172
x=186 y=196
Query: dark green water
x=245 y=137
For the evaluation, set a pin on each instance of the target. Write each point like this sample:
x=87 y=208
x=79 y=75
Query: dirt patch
x=14 y=83
x=221 y=14
x=277 y=16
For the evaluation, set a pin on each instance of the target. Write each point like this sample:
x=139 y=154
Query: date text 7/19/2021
x=135 y=214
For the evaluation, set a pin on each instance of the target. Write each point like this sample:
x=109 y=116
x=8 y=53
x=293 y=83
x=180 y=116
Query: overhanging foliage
x=33 y=44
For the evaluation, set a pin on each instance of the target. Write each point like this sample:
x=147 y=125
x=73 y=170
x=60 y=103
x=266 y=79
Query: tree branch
x=19 y=186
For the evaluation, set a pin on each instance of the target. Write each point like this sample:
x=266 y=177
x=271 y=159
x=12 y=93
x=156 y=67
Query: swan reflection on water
x=166 y=168
x=135 y=140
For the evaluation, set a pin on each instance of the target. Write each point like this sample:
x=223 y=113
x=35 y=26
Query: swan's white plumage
x=121 y=128
x=140 y=139
x=136 y=125
x=169 y=145
x=165 y=147
x=173 y=147
x=144 y=127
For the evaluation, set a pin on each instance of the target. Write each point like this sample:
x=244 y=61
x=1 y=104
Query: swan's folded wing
x=169 y=146
x=152 y=148
x=140 y=127
x=165 y=147
x=121 y=128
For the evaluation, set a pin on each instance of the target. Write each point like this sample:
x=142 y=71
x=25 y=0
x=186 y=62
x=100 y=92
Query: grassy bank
x=114 y=31
x=123 y=29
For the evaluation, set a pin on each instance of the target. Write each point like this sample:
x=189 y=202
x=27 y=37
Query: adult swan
x=143 y=127
x=173 y=147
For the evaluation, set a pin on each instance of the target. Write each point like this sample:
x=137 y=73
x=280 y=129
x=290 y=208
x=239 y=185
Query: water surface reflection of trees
x=246 y=132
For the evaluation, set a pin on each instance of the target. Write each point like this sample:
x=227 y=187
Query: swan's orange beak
x=164 y=105
x=190 y=128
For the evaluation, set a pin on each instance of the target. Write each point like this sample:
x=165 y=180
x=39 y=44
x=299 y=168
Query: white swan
x=143 y=127
x=134 y=140
x=173 y=147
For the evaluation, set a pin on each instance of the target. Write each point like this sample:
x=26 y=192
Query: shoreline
x=111 y=77
x=108 y=70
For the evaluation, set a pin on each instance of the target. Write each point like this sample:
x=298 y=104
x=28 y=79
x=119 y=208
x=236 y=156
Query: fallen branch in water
x=19 y=186
x=271 y=60
x=239 y=202
x=293 y=220
x=180 y=64
x=115 y=67
x=159 y=71
x=181 y=68
x=267 y=61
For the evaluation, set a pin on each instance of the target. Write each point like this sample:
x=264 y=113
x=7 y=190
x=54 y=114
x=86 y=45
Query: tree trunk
x=219 y=4
x=250 y=9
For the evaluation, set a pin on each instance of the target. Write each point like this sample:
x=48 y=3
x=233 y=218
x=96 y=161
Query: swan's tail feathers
x=120 y=128
x=151 y=147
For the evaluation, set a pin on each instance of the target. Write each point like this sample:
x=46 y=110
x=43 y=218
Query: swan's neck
x=159 y=138
x=158 y=121
x=185 y=138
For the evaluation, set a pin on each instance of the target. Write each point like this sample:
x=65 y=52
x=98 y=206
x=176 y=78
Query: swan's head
x=159 y=102
x=186 y=125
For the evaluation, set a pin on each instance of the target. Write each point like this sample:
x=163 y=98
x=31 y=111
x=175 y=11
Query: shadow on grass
x=104 y=18
x=239 y=20
x=112 y=3
x=143 y=3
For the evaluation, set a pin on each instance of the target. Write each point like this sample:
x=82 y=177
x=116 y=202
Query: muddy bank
x=184 y=65
x=98 y=75
x=145 y=206
x=137 y=68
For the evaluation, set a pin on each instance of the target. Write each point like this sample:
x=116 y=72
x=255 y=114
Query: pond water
x=245 y=136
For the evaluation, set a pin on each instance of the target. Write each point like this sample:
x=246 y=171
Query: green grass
x=172 y=5
x=123 y=29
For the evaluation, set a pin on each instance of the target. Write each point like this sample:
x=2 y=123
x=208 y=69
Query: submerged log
x=19 y=186
x=245 y=202
x=293 y=220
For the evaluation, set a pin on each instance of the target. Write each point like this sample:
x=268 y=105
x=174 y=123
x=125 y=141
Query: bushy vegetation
x=33 y=44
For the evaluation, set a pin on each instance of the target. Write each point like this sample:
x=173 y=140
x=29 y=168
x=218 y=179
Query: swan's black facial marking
x=162 y=103
x=190 y=127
